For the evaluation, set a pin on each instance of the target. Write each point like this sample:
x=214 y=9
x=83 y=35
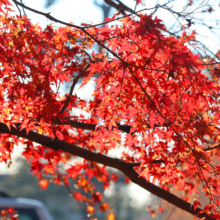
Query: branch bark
x=118 y=164
x=91 y=127
x=119 y=7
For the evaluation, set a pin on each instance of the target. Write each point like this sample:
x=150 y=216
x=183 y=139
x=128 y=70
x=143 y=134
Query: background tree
x=153 y=99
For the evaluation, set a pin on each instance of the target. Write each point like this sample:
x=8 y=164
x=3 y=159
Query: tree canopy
x=154 y=98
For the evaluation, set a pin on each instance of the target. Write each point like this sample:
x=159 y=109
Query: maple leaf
x=104 y=32
x=104 y=207
x=216 y=73
x=160 y=209
x=90 y=209
x=111 y=19
x=90 y=173
x=6 y=3
x=124 y=47
x=44 y=184
x=111 y=216
x=78 y=196
x=138 y=1
x=97 y=197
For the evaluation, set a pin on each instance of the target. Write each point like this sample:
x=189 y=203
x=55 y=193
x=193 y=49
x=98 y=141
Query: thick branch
x=107 y=161
x=120 y=6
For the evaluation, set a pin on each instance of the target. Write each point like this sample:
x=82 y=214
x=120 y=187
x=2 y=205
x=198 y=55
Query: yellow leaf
x=11 y=43
x=40 y=131
x=111 y=216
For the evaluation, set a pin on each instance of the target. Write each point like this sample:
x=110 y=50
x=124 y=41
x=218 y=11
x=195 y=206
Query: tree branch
x=211 y=148
x=107 y=161
x=119 y=7
x=91 y=127
x=73 y=86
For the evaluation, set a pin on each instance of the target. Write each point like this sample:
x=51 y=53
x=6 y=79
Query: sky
x=85 y=11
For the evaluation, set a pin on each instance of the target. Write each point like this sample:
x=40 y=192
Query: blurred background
x=128 y=201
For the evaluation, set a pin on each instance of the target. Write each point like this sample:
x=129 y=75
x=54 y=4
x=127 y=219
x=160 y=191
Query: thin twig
x=211 y=148
x=23 y=8
x=73 y=86
x=18 y=9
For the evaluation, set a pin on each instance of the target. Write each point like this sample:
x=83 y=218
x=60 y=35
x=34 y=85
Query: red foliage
x=152 y=88
x=9 y=213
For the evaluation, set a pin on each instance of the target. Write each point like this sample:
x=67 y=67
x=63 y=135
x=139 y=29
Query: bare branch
x=119 y=7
